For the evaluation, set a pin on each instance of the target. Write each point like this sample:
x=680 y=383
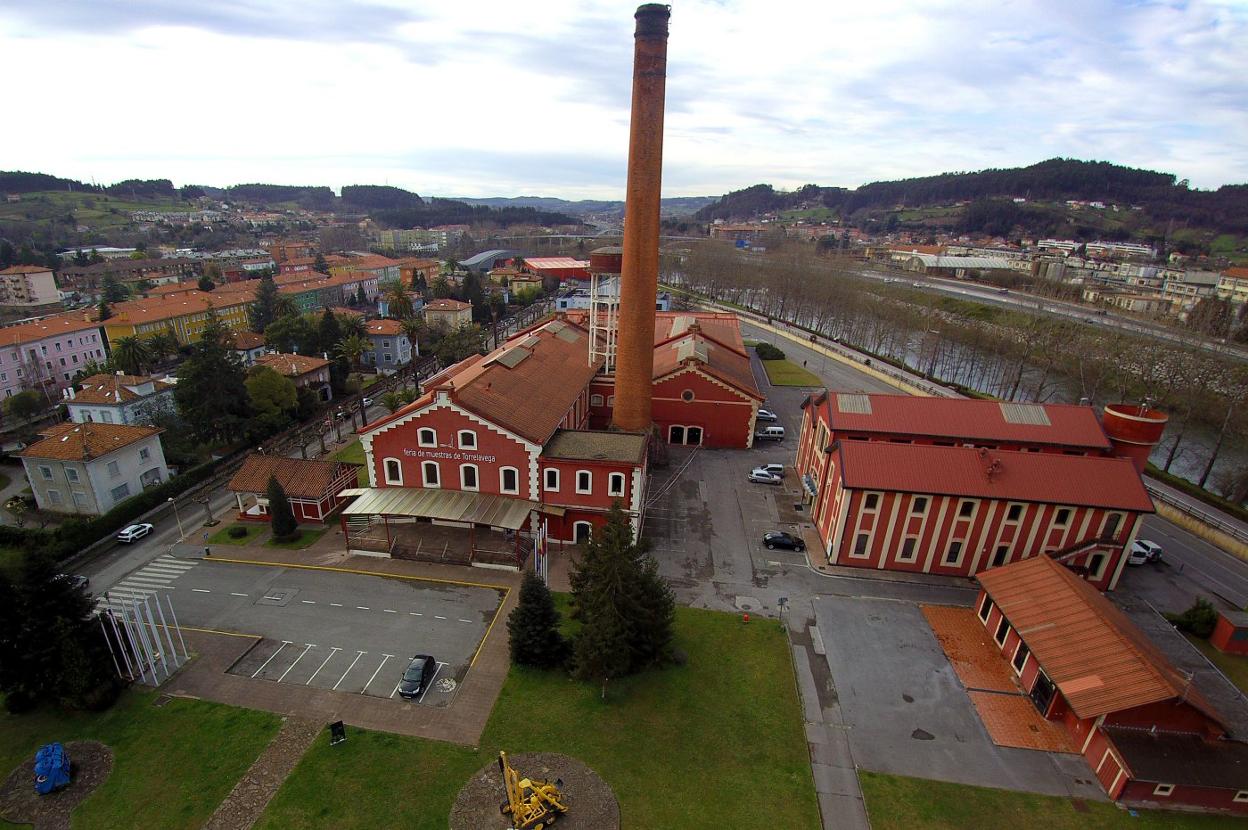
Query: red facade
x=1230 y=635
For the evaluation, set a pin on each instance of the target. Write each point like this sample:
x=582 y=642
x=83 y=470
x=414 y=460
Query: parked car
x=774 y=433
x=367 y=402
x=134 y=532
x=418 y=676
x=1144 y=551
x=779 y=539
x=75 y=580
x=774 y=469
x=761 y=476
x=767 y=415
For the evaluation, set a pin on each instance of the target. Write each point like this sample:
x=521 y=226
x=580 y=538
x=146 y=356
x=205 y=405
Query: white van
x=772 y=433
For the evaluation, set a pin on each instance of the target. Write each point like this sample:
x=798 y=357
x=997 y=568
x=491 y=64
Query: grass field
x=307 y=535
x=1233 y=666
x=172 y=765
x=91 y=209
x=788 y=373
x=354 y=453
x=897 y=803
x=254 y=532
x=714 y=744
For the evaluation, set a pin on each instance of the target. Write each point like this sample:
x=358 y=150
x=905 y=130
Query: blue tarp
x=51 y=769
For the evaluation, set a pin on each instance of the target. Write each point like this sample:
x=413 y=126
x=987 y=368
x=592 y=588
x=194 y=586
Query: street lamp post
x=176 y=515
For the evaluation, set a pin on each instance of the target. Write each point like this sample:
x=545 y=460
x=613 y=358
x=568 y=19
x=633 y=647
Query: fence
x=1212 y=519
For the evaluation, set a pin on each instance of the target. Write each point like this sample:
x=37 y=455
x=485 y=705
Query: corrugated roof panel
x=512 y=357
x=860 y=404
x=444 y=505
x=1025 y=413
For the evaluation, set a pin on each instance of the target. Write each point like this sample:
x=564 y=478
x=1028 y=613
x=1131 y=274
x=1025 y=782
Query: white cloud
x=502 y=98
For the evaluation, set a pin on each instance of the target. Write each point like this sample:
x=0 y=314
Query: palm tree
x=400 y=305
x=413 y=328
x=392 y=401
x=352 y=347
x=132 y=355
x=349 y=324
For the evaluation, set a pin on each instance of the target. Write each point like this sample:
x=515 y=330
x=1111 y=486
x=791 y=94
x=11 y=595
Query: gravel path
x=90 y=764
x=243 y=806
x=591 y=804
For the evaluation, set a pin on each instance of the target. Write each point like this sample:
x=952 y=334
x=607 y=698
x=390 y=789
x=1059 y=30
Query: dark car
x=76 y=581
x=780 y=539
x=418 y=676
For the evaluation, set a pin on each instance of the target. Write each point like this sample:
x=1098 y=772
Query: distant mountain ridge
x=672 y=206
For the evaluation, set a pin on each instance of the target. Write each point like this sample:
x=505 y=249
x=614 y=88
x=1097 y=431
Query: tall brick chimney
x=634 y=365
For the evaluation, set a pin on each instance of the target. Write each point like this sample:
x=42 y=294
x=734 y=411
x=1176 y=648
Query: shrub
x=1198 y=620
x=237 y=532
x=766 y=351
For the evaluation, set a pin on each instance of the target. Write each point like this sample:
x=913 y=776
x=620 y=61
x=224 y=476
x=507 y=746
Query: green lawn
x=788 y=373
x=254 y=532
x=307 y=535
x=172 y=765
x=717 y=743
x=898 y=803
x=353 y=453
x=1233 y=666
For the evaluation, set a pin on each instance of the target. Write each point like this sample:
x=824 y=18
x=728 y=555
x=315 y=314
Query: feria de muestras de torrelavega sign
x=448 y=455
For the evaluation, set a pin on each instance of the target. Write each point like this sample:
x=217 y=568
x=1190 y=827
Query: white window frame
x=596 y=400
x=114 y=469
x=919 y=512
x=957 y=563
x=965 y=503
x=589 y=525
x=385 y=471
x=46 y=472
x=420 y=437
x=547 y=475
x=459 y=439
x=502 y=481
x=1240 y=797
x=144 y=453
x=476 y=477
x=71 y=474
x=1005 y=634
x=54 y=496
x=879 y=499
x=1018 y=670
x=1022 y=511
x=866 y=549
x=1164 y=790
x=914 y=551
x=584 y=490
x=984 y=612
x=1057 y=521
x=436 y=480
x=1114 y=514
x=612 y=490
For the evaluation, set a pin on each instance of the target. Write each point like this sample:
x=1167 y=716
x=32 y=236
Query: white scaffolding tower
x=604 y=313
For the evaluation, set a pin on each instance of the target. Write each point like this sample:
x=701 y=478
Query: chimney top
x=652 y=20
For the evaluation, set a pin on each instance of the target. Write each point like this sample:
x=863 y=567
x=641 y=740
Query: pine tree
x=534 y=627
x=281 y=517
x=320 y=264
x=104 y=311
x=360 y=297
x=210 y=393
x=265 y=309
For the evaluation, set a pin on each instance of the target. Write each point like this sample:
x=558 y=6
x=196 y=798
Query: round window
x=687 y=395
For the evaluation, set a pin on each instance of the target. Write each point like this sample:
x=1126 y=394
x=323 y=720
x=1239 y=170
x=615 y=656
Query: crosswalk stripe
x=143 y=580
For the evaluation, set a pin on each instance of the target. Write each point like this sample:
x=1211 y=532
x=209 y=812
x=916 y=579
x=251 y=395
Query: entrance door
x=693 y=435
x=1042 y=693
x=582 y=531
x=676 y=435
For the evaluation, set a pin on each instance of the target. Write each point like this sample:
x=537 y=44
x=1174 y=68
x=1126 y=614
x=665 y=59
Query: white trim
x=586 y=490
x=385 y=466
x=611 y=489
x=476 y=477
x=987 y=603
x=546 y=471
x=914 y=551
x=1091 y=733
x=502 y=481
x=886 y=551
x=579 y=523
x=1018 y=670
x=1005 y=635
x=459 y=439
x=596 y=399
x=1240 y=797
x=420 y=437
x=425 y=466
x=1163 y=790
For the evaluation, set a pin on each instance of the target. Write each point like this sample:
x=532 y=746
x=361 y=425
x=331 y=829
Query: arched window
x=393 y=471
x=584 y=481
x=429 y=470
x=581 y=531
x=427 y=437
x=467 y=439
x=615 y=484
x=552 y=479
x=468 y=477
x=509 y=480
x=595 y=400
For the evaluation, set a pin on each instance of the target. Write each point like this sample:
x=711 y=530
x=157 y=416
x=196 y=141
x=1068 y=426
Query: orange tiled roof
x=1237 y=273
x=446 y=305
x=83 y=442
x=291 y=365
x=25 y=269
x=300 y=478
x=164 y=308
x=113 y=389
x=1100 y=660
x=247 y=340
x=391 y=327
x=362 y=263
x=47 y=327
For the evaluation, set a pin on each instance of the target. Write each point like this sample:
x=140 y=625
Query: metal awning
x=446 y=505
x=809 y=483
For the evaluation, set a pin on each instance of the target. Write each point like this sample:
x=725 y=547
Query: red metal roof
x=1055 y=424
x=1077 y=480
x=555 y=263
x=1099 y=660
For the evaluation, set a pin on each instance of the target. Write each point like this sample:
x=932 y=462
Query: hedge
x=766 y=351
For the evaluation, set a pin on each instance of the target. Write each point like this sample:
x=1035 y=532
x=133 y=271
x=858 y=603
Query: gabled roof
x=960 y=418
x=525 y=386
x=1050 y=478
x=300 y=478
x=1099 y=660
x=291 y=365
x=446 y=305
x=718 y=361
x=247 y=340
x=596 y=445
x=25 y=269
x=385 y=327
x=116 y=389
x=85 y=442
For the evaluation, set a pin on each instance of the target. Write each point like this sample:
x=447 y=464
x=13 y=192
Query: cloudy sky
x=506 y=98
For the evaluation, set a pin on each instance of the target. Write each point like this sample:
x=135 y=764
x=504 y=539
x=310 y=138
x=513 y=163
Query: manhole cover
x=747 y=604
x=277 y=596
x=446 y=685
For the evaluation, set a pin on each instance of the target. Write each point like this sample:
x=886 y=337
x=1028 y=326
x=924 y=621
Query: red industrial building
x=954 y=487
x=1147 y=733
x=558 y=267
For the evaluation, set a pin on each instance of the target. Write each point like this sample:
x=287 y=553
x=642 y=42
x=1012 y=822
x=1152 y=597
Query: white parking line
x=463 y=620
x=358 y=655
x=272 y=598
x=436 y=617
x=306 y=648
x=201 y=590
x=332 y=652
x=388 y=611
x=336 y=604
x=308 y=601
x=236 y=594
x=421 y=699
x=271 y=656
x=385 y=659
x=362 y=607
x=416 y=613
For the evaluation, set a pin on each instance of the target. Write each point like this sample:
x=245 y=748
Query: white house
x=119 y=399
x=87 y=469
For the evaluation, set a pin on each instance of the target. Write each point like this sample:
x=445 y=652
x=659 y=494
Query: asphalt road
x=836 y=375
x=349 y=632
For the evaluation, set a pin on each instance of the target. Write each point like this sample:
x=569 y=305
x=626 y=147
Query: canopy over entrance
x=444 y=505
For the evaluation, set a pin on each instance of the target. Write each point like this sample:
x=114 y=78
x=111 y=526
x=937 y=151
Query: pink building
x=45 y=354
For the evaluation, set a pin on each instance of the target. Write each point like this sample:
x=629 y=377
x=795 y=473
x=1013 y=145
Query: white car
x=767 y=415
x=1144 y=551
x=134 y=532
x=367 y=402
x=774 y=469
x=763 y=477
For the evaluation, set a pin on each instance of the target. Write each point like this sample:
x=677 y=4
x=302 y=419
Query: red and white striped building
x=955 y=487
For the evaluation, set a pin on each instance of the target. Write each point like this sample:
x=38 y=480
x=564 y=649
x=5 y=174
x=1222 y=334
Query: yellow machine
x=532 y=804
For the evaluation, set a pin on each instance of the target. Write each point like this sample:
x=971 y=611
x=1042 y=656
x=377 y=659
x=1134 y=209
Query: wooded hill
x=1162 y=198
